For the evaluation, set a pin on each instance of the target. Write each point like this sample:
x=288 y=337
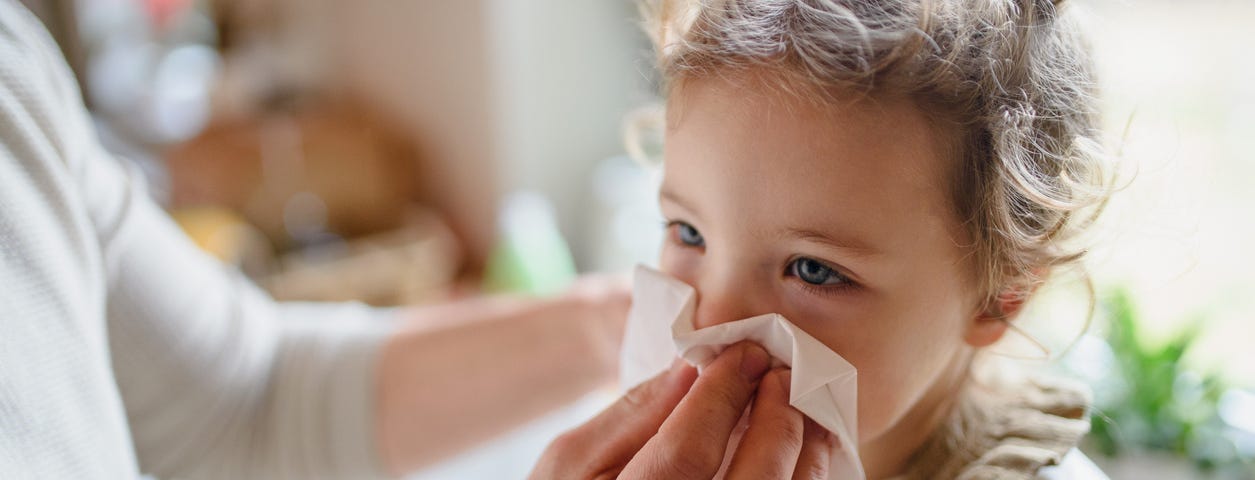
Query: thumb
x=607 y=442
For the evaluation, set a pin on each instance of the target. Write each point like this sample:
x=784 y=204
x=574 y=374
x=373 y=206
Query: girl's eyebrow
x=667 y=195
x=850 y=243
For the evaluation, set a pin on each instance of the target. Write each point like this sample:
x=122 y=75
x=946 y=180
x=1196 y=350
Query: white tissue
x=824 y=385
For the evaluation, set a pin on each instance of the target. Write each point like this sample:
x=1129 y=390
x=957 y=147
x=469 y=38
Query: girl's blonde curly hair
x=1014 y=76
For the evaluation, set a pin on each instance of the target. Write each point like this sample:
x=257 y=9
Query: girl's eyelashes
x=817 y=276
x=814 y=272
x=686 y=234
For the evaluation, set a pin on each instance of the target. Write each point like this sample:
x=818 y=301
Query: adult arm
x=460 y=374
x=218 y=381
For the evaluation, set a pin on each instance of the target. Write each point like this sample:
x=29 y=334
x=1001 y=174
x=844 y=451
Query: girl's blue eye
x=815 y=273
x=689 y=235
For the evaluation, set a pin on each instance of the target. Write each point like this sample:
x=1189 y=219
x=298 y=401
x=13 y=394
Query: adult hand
x=677 y=426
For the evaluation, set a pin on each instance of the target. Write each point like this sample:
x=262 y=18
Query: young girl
x=896 y=178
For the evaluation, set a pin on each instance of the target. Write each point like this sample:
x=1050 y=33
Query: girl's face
x=837 y=217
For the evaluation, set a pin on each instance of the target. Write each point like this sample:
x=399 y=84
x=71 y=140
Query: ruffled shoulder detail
x=1006 y=432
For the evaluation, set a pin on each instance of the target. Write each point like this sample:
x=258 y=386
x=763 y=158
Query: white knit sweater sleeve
x=216 y=379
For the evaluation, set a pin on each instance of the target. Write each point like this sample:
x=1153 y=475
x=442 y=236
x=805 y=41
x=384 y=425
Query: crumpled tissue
x=824 y=385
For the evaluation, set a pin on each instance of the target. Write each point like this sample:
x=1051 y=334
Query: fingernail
x=831 y=439
x=675 y=363
x=676 y=371
x=754 y=362
x=676 y=367
x=821 y=434
x=786 y=380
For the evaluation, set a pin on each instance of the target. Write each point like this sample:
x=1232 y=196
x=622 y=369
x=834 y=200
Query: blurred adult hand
x=678 y=425
x=606 y=298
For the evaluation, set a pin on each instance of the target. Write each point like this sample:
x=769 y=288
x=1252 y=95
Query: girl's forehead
x=767 y=158
x=776 y=140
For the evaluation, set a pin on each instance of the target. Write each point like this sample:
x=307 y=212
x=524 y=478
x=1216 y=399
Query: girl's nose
x=722 y=300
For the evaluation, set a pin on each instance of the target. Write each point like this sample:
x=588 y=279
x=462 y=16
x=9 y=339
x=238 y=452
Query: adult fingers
x=601 y=446
x=691 y=443
x=816 y=455
x=771 y=445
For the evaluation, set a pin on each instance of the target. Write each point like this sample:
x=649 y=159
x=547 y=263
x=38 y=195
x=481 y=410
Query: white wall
x=566 y=73
x=426 y=64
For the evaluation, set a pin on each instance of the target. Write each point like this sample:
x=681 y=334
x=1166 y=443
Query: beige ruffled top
x=1008 y=432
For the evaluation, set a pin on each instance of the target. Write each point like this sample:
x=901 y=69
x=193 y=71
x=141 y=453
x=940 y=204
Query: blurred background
x=407 y=152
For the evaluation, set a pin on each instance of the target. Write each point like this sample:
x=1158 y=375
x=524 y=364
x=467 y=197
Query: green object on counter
x=532 y=257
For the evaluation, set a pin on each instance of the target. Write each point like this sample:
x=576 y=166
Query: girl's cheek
x=848 y=325
x=830 y=316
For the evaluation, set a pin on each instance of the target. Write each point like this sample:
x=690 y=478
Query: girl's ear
x=991 y=324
